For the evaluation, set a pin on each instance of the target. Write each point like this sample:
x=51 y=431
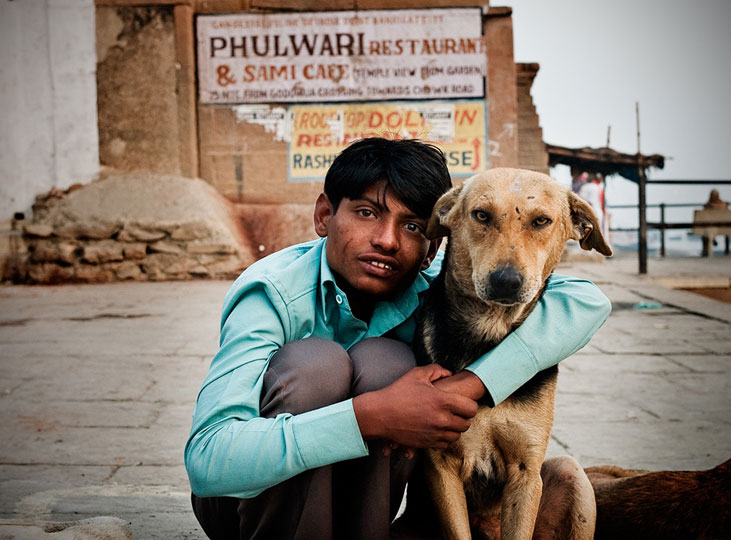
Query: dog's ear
x=438 y=225
x=586 y=227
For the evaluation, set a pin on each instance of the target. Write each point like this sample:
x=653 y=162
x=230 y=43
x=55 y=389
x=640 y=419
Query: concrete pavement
x=98 y=382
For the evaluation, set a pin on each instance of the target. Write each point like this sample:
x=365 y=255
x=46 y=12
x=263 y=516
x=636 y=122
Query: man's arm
x=564 y=320
x=232 y=451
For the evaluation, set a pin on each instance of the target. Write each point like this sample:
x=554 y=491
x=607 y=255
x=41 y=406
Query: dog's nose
x=505 y=283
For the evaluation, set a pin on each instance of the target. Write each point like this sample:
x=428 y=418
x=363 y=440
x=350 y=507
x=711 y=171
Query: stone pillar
x=502 y=97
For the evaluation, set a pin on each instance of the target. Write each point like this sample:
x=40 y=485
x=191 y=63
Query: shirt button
x=339 y=299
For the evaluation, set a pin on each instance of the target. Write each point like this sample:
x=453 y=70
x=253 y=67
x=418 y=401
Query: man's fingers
x=432 y=372
x=462 y=406
x=458 y=424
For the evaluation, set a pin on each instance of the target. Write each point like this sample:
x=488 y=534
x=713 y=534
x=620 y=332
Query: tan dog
x=507 y=229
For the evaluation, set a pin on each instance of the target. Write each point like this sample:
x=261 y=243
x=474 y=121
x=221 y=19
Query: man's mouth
x=380 y=265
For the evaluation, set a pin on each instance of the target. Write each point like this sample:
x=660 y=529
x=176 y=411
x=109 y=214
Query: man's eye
x=365 y=212
x=413 y=227
x=542 y=221
x=481 y=216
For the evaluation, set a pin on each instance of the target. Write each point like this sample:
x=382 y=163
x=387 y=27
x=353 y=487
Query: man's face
x=375 y=244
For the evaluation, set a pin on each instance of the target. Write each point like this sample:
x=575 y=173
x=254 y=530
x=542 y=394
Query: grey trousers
x=351 y=500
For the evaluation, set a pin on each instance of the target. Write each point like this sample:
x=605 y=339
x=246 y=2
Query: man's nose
x=386 y=236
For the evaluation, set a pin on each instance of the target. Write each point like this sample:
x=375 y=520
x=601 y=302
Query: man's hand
x=412 y=412
x=464 y=383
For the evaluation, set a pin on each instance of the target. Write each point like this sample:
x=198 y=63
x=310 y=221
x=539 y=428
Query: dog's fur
x=663 y=505
x=507 y=229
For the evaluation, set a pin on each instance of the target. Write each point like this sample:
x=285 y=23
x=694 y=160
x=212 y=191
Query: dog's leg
x=521 y=498
x=567 y=510
x=447 y=488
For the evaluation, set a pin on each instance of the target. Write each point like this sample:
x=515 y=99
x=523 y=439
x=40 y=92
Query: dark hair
x=415 y=170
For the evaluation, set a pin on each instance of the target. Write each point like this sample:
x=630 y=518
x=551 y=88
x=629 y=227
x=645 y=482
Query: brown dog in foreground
x=507 y=229
x=663 y=505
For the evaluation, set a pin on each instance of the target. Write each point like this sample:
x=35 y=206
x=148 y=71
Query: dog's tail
x=665 y=505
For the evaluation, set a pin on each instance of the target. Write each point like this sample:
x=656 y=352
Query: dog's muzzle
x=504 y=285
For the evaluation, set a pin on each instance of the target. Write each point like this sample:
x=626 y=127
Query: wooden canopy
x=603 y=160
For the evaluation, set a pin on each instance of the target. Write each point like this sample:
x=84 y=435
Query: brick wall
x=531 y=148
x=241 y=160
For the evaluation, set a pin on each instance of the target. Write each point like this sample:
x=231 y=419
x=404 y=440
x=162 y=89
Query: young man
x=315 y=385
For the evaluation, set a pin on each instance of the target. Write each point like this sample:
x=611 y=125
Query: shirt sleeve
x=564 y=320
x=232 y=451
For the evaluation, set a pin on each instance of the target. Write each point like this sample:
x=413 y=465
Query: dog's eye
x=541 y=221
x=482 y=217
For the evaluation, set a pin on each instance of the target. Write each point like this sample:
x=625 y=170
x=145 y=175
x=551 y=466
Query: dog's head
x=507 y=229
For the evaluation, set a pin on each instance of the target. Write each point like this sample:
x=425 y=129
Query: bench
x=711 y=223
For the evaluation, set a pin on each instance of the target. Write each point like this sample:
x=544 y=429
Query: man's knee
x=377 y=362
x=306 y=375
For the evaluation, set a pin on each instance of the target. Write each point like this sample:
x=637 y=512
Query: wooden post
x=662 y=229
x=642 y=244
x=187 y=114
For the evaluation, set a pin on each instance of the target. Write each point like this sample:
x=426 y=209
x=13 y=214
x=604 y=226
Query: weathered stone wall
x=138 y=227
x=141 y=116
x=531 y=148
x=136 y=87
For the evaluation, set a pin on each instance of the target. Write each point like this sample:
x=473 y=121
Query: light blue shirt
x=292 y=295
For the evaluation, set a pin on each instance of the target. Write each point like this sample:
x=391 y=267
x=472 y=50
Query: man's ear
x=433 y=248
x=324 y=211
x=438 y=225
x=586 y=227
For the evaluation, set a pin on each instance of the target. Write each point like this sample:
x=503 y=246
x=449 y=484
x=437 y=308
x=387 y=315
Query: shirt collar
x=327 y=279
x=405 y=302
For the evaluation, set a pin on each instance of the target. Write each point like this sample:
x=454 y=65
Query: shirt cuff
x=502 y=378
x=329 y=435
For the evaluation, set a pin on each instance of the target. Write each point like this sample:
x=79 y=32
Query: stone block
x=41 y=230
x=93 y=273
x=43 y=251
x=136 y=250
x=178 y=269
x=101 y=252
x=157 y=266
x=67 y=252
x=130 y=270
x=189 y=231
x=199 y=271
x=226 y=267
x=131 y=233
x=212 y=248
x=94 y=230
x=163 y=246
x=49 y=273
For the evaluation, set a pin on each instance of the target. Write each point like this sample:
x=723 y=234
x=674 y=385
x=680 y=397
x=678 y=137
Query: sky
x=598 y=58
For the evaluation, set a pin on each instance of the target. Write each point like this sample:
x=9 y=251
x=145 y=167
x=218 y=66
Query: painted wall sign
x=341 y=56
x=319 y=133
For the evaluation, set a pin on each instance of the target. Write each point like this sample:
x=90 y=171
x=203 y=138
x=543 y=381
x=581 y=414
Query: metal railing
x=662 y=225
x=642 y=208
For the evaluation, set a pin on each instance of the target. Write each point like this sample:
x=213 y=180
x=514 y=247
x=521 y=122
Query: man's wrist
x=475 y=388
x=465 y=383
x=365 y=409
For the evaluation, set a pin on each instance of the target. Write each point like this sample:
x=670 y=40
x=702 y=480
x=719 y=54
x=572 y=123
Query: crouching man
x=312 y=407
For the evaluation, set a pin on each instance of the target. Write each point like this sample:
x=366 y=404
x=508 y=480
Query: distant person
x=579 y=181
x=593 y=193
x=714 y=203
